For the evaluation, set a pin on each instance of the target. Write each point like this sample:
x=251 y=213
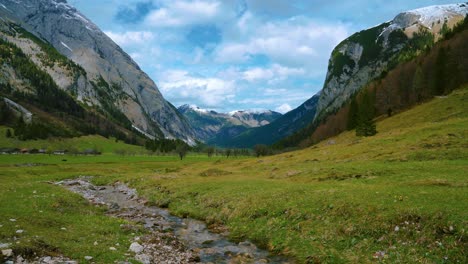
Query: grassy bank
x=402 y=193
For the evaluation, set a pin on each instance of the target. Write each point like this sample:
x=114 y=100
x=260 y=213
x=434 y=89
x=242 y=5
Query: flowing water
x=211 y=247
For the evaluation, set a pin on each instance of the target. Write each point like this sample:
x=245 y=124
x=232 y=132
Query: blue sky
x=237 y=54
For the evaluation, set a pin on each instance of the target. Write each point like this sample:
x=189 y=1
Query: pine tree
x=453 y=73
x=366 y=126
x=353 y=115
x=9 y=134
x=419 y=84
x=440 y=73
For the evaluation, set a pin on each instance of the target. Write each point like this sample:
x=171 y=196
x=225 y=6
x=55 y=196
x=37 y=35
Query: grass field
x=398 y=197
x=81 y=143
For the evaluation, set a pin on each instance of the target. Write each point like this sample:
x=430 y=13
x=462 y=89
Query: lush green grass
x=339 y=201
x=80 y=143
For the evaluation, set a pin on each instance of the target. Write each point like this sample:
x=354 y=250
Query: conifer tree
x=440 y=72
x=366 y=126
x=353 y=115
x=419 y=84
x=9 y=134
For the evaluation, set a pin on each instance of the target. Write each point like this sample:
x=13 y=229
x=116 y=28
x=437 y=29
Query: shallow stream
x=210 y=247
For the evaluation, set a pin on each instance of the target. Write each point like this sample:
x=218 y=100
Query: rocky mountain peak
x=367 y=54
x=106 y=65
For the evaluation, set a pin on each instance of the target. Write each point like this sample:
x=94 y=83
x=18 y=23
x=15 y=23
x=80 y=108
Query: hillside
x=209 y=124
x=368 y=54
x=280 y=128
x=394 y=197
x=44 y=83
x=420 y=70
x=347 y=199
x=110 y=80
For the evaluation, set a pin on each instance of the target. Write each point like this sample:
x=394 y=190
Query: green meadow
x=398 y=197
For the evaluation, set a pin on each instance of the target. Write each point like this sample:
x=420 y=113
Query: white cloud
x=136 y=55
x=296 y=42
x=180 y=87
x=181 y=13
x=130 y=37
x=284 y=108
x=273 y=74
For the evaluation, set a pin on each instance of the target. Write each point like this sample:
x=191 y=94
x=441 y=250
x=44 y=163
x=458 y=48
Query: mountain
x=208 y=123
x=368 y=54
x=271 y=133
x=255 y=118
x=416 y=56
x=110 y=81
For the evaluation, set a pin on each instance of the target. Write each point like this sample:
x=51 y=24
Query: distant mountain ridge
x=208 y=123
x=282 y=127
x=111 y=79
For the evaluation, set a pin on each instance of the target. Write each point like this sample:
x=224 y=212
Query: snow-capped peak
x=194 y=108
x=250 y=112
x=431 y=15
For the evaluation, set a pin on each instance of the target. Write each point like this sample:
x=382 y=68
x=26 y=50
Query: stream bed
x=172 y=239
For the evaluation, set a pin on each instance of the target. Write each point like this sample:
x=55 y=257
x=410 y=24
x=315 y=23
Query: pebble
x=7 y=252
x=397 y=228
x=88 y=258
x=12 y=220
x=143 y=258
x=63 y=228
x=4 y=245
x=136 y=247
x=96 y=243
x=20 y=231
x=113 y=248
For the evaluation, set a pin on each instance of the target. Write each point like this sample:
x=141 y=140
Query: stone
x=20 y=231
x=136 y=247
x=7 y=252
x=114 y=206
x=88 y=258
x=112 y=248
x=143 y=258
x=4 y=245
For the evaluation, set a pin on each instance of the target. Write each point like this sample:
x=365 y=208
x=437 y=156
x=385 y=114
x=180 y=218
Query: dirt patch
x=214 y=173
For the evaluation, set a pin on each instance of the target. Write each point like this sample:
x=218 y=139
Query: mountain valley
x=98 y=166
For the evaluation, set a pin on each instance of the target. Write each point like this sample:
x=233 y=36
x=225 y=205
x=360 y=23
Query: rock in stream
x=171 y=239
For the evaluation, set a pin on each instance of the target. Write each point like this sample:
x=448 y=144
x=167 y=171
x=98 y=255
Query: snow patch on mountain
x=5 y=7
x=433 y=14
x=250 y=112
x=429 y=16
x=66 y=46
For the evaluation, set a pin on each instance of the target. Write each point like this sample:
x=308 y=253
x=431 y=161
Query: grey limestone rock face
x=76 y=37
x=366 y=55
